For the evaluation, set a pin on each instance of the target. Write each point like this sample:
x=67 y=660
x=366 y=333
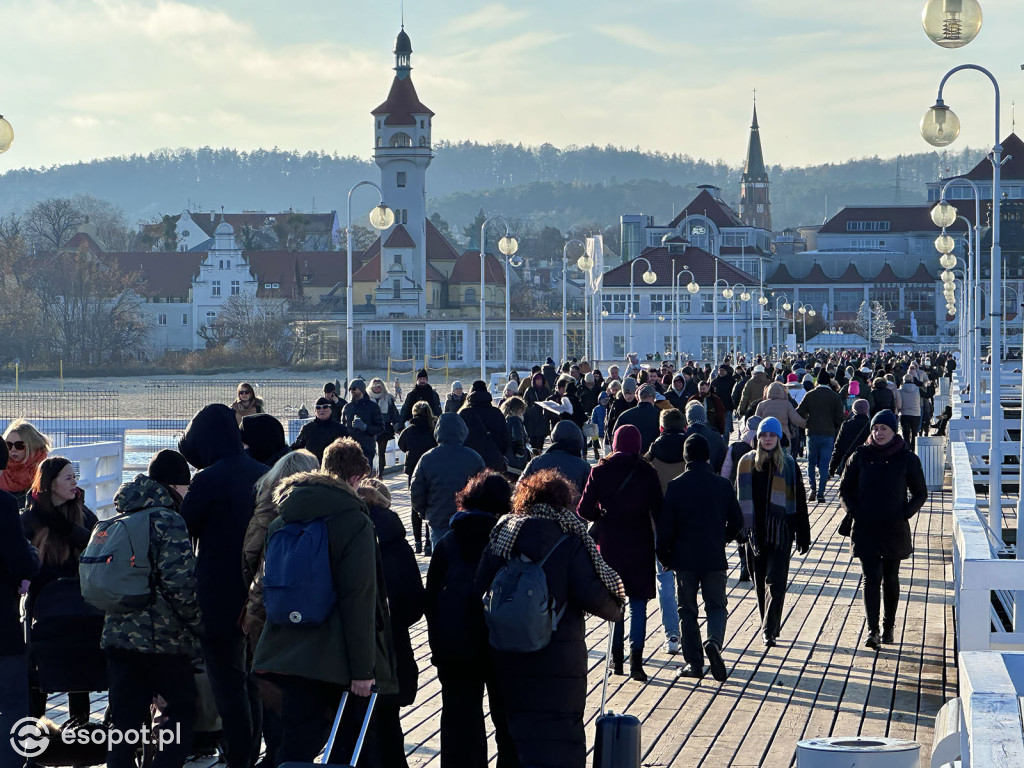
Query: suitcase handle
x=607 y=668
x=337 y=724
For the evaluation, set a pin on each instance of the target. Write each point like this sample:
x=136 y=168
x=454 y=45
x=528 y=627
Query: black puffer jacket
x=453 y=402
x=534 y=419
x=545 y=692
x=217 y=509
x=723 y=386
x=404 y=587
x=455 y=616
x=564 y=454
x=488 y=432
x=317 y=434
x=415 y=440
x=364 y=421
x=883 y=487
x=444 y=471
x=417 y=393
x=852 y=434
x=18 y=561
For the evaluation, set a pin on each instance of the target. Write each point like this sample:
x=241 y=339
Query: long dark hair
x=54 y=549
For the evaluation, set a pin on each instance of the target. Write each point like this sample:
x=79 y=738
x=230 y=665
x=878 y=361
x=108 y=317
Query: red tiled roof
x=697 y=260
x=433 y=274
x=1013 y=168
x=709 y=205
x=370 y=271
x=402 y=104
x=399 y=238
x=467 y=269
x=322 y=268
x=901 y=218
x=163 y=273
x=438 y=247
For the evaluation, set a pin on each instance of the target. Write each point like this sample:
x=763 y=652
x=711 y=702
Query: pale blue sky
x=835 y=78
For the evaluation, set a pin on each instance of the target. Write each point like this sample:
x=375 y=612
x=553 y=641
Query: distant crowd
x=246 y=582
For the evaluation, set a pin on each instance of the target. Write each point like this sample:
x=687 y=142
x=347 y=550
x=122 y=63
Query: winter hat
x=792 y=378
x=588 y=378
x=478 y=386
x=627 y=440
x=358 y=384
x=696 y=449
x=886 y=417
x=456 y=385
x=422 y=374
x=329 y=387
x=170 y=468
x=678 y=377
x=630 y=385
x=752 y=423
x=550 y=362
x=320 y=401
x=772 y=425
x=603 y=398
x=758 y=369
x=861 y=407
x=264 y=435
x=379 y=487
x=511 y=388
x=824 y=378
x=695 y=413
x=688 y=370
x=646 y=391
x=854 y=388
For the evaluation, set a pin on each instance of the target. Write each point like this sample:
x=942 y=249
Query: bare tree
x=107 y=220
x=259 y=328
x=50 y=223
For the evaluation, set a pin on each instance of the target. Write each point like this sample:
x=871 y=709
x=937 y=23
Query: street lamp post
x=508 y=246
x=381 y=218
x=805 y=310
x=650 y=277
x=786 y=306
x=511 y=260
x=762 y=301
x=692 y=288
x=585 y=263
x=940 y=127
x=565 y=281
x=728 y=293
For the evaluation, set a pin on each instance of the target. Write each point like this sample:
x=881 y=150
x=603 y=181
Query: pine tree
x=873 y=324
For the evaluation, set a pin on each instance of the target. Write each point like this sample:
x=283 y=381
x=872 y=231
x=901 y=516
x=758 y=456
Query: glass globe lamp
x=802 y=310
x=944 y=243
x=811 y=313
x=382 y=217
x=786 y=306
x=943 y=215
x=951 y=23
x=947 y=276
x=744 y=296
x=650 y=277
x=947 y=261
x=515 y=261
x=692 y=287
x=727 y=293
x=762 y=300
x=940 y=126
x=585 y=263
x=508 y=245
x=6 y=135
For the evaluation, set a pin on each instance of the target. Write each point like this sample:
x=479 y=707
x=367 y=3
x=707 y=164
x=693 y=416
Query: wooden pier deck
x=819 y=680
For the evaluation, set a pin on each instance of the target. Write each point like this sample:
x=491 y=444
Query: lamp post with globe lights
x=580 y=251
x=650 y=277
x=951 y=23
x=805 y=310
x=762 y=302
x=729 y=293
x=692 y=288
x=381 y=218
x=508 y=245
x=585 y=263
x=786 y=306
x=940 y=127
x=511 y=260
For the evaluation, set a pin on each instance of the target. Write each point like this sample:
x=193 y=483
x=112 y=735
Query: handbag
x=846 y=526
x=589 y=430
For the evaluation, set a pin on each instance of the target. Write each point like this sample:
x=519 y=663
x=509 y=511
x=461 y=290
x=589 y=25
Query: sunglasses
x=322 y=407
x=244 y=392
x=17 y=445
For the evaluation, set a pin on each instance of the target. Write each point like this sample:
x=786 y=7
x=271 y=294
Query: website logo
x=29 y=737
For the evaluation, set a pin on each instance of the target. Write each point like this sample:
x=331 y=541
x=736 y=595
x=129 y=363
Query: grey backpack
x=518 y=609
x=114 y=570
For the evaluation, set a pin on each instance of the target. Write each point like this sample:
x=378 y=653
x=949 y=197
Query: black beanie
x=824 y=378
x=264 y=435
x=169 y=468
x=422 y=374
x=696 y=449
x=479 y=386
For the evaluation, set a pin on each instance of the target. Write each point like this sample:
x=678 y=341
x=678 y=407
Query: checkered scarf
x=503 y=539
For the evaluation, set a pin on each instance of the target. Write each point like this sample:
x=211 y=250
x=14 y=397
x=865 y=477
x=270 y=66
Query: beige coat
x=778 y=405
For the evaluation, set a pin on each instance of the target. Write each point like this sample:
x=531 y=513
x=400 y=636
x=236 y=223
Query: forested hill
x=566 y=188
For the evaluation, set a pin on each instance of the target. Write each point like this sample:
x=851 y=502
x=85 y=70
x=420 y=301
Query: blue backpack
x=298 y=587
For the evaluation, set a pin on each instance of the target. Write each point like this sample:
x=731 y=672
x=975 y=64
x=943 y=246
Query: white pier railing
x=99 y=473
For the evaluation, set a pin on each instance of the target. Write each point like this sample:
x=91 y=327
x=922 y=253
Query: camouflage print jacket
x=170 y=623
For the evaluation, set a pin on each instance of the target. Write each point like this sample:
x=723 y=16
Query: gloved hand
x=803 y=549
x=358 y=423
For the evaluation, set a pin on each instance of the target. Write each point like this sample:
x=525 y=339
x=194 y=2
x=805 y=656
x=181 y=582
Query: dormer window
x=400 y=179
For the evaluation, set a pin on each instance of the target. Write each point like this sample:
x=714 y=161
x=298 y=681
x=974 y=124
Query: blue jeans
x=13 y=705
x=667 y=600
x=637 y=625
x=819 y=453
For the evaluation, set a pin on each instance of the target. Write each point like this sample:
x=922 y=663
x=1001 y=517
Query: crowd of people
x=282 y=575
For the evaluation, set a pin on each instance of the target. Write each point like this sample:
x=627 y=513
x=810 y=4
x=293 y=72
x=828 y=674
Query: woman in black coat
x=545 y=692
x=456 y=631
x=535 y=419
x=882 y=488
x=405 y=603
x=488 y=432
x=416 y=439
x=623 y=496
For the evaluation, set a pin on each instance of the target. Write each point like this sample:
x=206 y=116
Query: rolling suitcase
x=617 y=743
x=334 y=734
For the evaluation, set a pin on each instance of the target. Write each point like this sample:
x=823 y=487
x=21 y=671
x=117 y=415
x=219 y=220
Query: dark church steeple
x=755 y=207
x=403 y=54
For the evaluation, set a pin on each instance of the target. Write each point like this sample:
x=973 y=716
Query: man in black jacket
x=722 y=386
x=700 y=515
x=644 y=416
x=323 y=430
x=18 y=561
x=488 y=431
x=422 y=391
x=217 y=510
x=363 y=419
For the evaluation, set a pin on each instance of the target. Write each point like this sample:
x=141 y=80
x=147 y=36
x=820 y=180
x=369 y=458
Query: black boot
x=617 y=661
x=636 y=665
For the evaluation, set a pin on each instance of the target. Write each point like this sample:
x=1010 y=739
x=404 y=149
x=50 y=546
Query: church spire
x=403 y=54
x=755 y=209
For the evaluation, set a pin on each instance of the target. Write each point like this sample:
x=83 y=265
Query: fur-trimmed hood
x=308 y=495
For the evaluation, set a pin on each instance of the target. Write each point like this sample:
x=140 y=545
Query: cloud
x=637 y=37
